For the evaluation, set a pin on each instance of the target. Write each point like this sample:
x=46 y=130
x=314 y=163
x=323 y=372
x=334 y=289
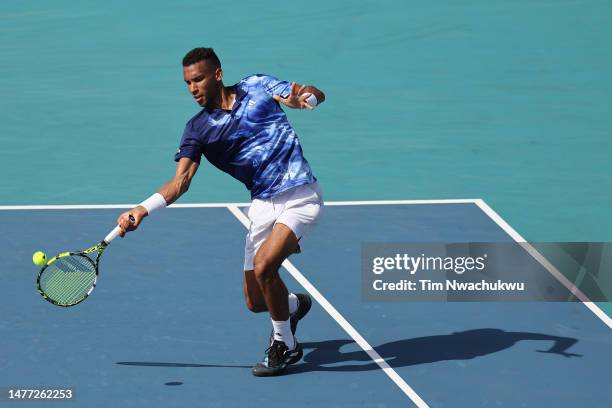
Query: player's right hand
x=130 y=220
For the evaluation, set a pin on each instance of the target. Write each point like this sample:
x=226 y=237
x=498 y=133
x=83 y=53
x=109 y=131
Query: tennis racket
x=70 y=277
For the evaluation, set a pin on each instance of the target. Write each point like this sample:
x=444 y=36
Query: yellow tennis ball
x=39 y=258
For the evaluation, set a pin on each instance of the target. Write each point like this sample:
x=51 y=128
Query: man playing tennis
x=243 y=131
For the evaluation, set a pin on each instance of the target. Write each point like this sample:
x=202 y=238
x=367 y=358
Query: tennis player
x=243 y=131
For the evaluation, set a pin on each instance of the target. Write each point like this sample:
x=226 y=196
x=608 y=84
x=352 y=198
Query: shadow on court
x=185 y=365
x=464 y=345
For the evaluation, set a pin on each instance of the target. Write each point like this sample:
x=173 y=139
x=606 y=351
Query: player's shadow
x=188 y=365
x=328 y=356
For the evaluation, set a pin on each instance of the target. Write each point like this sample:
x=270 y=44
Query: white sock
x=293 y=303
x=282 y=332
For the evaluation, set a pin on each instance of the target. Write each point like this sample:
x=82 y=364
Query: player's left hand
x=296 y=99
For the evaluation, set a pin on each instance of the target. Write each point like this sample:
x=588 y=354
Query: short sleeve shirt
x=253 y=142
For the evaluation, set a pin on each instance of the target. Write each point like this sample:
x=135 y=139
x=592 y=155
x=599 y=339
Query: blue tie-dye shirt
x=253 y=142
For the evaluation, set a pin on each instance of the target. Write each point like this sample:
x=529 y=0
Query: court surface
x=167 y=326
x=503 y=100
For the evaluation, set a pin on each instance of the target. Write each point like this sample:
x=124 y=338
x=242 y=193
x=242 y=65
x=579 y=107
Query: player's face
x=204 y=82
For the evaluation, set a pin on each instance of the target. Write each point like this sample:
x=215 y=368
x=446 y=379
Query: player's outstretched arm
x=179 y=184
x=168 y=193
x=302 y=97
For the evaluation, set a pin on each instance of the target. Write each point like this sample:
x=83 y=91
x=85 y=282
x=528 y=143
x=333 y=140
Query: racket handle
x=115 y=232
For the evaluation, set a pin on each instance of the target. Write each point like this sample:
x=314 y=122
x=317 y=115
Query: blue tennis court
x=167 y=328
x=503 y=100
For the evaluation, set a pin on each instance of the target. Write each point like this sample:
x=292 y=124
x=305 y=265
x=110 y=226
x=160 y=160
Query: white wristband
x=155 y=202
x=311 y=100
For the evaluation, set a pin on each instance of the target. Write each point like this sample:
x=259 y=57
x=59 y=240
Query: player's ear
x=219 y=74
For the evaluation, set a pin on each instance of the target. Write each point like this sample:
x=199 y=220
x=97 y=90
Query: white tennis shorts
x=297 y=208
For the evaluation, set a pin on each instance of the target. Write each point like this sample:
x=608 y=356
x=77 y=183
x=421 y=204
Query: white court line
x=404 y=202
x=112 y=206
x=545 y=263
x=348 y=328
x=226 y=205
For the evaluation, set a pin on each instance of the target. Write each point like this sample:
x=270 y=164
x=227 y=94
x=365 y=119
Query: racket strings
x=74 y=278
x=65 y=285
x=69 y=282
x=69 y=279
x=78 y=287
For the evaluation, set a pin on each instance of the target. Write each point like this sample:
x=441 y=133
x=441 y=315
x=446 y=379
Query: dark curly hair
x=201 y=54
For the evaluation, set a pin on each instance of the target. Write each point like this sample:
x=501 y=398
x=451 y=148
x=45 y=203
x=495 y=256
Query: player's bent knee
x=264 y=270
x=260 y=266
x=255 y=307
